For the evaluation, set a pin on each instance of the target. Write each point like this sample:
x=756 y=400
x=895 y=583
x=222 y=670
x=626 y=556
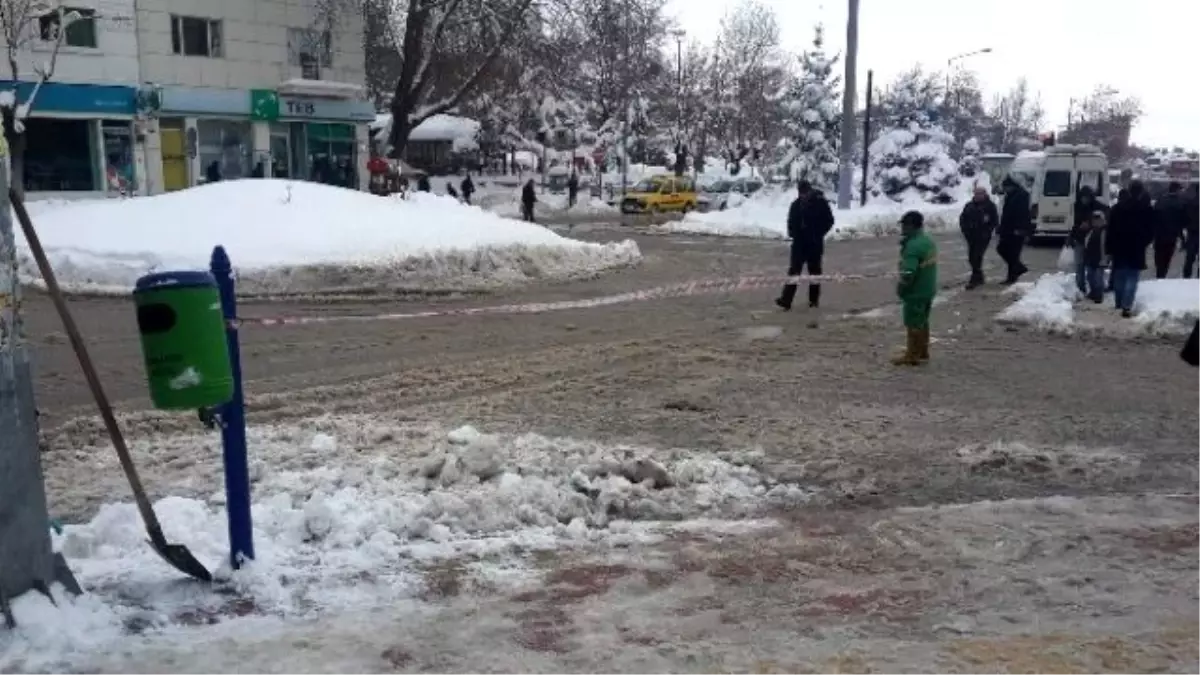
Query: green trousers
x=916 y=313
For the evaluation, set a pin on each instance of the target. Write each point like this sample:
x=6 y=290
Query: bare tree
x=1016 y=118
x=26 y=26
x=1104 y=118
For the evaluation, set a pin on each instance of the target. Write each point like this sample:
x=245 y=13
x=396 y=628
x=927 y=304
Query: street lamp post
x=678 y=34
x=950 y=62
x=846 y=154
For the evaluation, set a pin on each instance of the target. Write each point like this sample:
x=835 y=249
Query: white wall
x=114 y=61
x=255 y=44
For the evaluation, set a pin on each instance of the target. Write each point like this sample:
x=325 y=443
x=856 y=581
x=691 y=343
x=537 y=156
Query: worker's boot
x=923 y=345
x=910 y=355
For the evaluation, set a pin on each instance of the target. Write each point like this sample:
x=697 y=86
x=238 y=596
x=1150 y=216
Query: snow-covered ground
x=299 y=237
x=1053 y=303
x=350 y=511
x=765 y=216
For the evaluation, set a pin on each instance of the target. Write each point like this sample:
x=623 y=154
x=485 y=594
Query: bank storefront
x=224 y=134
x=80 y=138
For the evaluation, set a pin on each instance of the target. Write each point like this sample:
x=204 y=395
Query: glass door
x=281 y=152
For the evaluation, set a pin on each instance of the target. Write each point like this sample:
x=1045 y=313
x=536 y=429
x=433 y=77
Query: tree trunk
x=401 y=128
x=16 y=152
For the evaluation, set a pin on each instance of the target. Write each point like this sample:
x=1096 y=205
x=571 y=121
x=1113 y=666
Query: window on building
x=117 y=137
x=225 y=149
x=58 y=155
x=192 y=36
x=81 y=32
x=310 y=50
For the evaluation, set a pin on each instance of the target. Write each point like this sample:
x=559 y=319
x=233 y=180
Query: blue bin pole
x=233 y=424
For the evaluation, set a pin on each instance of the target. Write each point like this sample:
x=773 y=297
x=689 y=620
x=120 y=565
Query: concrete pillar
x=151 y=153
x=260 y=133
x=362 y=144
x=195 y=171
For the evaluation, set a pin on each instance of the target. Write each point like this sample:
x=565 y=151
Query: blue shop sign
x=88 y=99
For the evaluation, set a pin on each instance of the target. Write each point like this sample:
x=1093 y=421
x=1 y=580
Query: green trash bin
x=183 y=340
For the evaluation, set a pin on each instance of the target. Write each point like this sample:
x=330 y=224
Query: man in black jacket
x=1169 y=225
x=1014 y=227
x=1130 y=232
x=977 y=222
x=1191 y=230
x=809 y=220
x=528 y=199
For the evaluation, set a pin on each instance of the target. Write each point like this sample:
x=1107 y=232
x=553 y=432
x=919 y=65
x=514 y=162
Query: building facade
x=80 y=130
x=252 y=88
x=150 y=96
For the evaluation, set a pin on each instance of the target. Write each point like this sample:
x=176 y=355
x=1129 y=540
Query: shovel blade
x=179 y=557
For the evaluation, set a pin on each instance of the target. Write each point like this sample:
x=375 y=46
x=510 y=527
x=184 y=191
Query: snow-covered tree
x=813 y=116
x=911 y=156
x=969 y=164
x=33 y=31
x=1015 y=118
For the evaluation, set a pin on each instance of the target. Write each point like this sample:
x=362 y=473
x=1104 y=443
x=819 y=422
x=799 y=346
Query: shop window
x=225 y=149
x=118 y=156
x=58 y=155
x=281 y=152
x=331 y=155
x=193 y=36
x=81 y=26
x=310 y=50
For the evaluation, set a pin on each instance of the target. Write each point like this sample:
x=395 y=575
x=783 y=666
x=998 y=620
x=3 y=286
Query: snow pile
x=1167 y=306
x=461 y=132
x=349 y=511
x=1046 y=303
x=1162 y=307
x=549 y=204
x=299 y=237
x=764 y=215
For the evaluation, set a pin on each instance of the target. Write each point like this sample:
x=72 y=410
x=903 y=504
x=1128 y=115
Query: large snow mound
x=298 y=237
x=350 y=511
x=1053 y=303
x=765 y=216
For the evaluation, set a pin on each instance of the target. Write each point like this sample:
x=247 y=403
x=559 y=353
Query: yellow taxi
x=659 y=194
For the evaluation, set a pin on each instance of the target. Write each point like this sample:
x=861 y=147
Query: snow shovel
x=176 y=555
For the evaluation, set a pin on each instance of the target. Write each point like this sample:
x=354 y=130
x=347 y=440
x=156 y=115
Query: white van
x=1053 y=177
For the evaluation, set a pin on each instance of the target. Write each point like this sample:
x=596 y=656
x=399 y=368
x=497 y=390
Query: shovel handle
x=153 y=528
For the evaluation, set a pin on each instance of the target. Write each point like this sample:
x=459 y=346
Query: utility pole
x=680 y=167
x=846 y=158
x=866 y=158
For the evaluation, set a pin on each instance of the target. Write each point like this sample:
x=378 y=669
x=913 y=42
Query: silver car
x=716 y=195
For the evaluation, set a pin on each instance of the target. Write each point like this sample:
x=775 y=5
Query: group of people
x=1101 y=237
x=810 y=219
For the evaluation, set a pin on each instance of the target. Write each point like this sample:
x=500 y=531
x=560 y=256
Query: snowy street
x=693 y=484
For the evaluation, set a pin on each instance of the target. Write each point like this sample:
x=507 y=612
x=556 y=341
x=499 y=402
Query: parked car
x=661 y=193
x=722 y=194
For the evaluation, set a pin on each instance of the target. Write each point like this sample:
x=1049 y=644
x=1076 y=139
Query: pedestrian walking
x=423 y=184
x=528 y=199
x=450 y=190
x=1091 y=233
x=916 y=288
x=468 y=188
x=809 y=220
x=1169 y=225
x=1191 y=231
x=1086 y=205
x=977 y=222
x=572 y=190
x=1014 y=227
x=1130 y=231
x=1191 y=349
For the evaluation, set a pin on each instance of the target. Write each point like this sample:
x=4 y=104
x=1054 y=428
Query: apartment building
x=80 y=130
x=157 y=95
x=253 y=88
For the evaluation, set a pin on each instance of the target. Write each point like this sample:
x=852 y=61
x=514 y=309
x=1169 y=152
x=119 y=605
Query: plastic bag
x=1066 y=258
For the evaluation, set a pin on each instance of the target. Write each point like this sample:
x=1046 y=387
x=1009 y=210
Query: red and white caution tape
x=688 y=288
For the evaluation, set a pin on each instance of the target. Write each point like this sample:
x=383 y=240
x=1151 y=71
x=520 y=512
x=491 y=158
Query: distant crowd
x=1113 y=239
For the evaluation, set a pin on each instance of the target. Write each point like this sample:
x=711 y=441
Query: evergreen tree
x=813 y=109
x=911 y=157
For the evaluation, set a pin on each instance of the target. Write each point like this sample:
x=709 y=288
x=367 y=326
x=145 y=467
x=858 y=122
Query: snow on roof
x=445 y=128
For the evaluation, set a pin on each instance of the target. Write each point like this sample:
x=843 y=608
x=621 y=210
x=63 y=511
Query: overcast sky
x=1064 y=47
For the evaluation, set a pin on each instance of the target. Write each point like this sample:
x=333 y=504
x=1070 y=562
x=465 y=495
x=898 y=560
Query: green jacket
x=918 y=267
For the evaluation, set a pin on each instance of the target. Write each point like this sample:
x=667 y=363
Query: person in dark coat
x=468 y=188
x=1191 y=230
x=212 y=173
x=809 y=220
x=977 y=222
x=1090 y=233
x=572 y=190
x=1014 y=228
x=1191 y=349
x=528 y=199
x=1169 y=225
x=1086 y=204
x=450 y=190
x=423 y=184
x=1130 y=232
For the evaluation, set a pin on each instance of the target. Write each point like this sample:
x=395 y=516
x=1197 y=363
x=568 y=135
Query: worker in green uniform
x=916 y=288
